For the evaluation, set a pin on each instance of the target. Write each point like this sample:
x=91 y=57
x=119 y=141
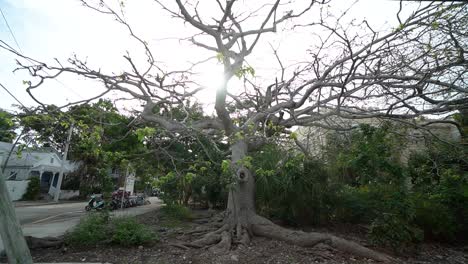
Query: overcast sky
x=48 y=29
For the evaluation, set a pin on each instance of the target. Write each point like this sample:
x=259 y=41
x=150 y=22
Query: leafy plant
x=392 y=230
x=92 y=230
x=99 y=228
x=292 y=188
x=33 y=190
x=177 y=212
x=127 y=231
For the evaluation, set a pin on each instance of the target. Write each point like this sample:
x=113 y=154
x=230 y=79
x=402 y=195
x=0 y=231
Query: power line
x=19 y=48
x=13 y=96
x=11 y=31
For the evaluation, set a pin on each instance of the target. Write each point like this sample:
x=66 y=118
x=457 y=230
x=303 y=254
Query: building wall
x=316 y=138
x=16 y=189
x=21 y=173
x=64 y=194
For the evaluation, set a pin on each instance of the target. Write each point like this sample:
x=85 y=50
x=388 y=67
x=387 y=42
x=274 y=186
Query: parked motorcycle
x=95 y=202
x=121 y=198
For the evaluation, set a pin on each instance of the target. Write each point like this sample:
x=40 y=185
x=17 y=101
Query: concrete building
x=315 y=138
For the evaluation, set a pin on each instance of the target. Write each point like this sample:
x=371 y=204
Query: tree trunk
x=241 y=200
x=10 y=229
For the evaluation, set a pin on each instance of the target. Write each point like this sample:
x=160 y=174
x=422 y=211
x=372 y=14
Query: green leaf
x=220 y=57
x=225 y=166
x=293 y=136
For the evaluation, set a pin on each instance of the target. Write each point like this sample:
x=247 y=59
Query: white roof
x=45 y=158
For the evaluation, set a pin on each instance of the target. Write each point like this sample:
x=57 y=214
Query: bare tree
x=352 y=72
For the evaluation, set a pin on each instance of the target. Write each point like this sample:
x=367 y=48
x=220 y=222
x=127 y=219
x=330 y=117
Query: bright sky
x=49 y=29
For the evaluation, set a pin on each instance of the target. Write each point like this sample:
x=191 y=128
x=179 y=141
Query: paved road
x=56 y=219
x=28 y=215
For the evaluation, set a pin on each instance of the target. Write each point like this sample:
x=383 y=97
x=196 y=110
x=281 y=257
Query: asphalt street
x=56 y=219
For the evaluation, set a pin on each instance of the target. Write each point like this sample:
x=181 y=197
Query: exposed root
x=209 y=239
x=264 y=227
x=197 y=231
x=177 y=245
x=224 y=245
x=245 y=238
x=222 y=229
x=220 y=240
x=45 y=242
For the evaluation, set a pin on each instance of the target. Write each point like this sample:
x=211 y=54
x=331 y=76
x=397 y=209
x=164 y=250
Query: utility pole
x=10 y=230
x=125 y=187
x=64 y=158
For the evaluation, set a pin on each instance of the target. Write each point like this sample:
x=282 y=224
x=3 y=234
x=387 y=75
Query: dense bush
x=208 y=184
x=440 y=190
x=361 y=180
x=368 y=155
x=203 y=184
x=127 y=231
x=99 y=228
x=33 y=190
x=92 y=229
x=392 y=230
x=434 y=217
x=292 y=188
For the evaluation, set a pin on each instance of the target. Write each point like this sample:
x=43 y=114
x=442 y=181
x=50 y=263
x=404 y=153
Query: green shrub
x=203 y=183
x=435 y=218
x=127 y=231
x=293 y=188
x=92 y=229
x=209 y=184
x=392 y=230
x=177 y=212
x=440 y=186
x=99 y=228
x=33 y=190
x=368 y=155
x=354 y=205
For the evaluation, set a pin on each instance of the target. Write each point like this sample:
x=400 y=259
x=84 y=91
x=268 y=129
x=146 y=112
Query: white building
x=44 y=163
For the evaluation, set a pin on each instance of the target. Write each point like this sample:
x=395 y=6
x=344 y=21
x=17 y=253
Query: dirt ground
x=261 y=250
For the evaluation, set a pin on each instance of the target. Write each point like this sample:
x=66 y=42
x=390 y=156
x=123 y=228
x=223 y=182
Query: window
x=51 y=160
x=13 y=175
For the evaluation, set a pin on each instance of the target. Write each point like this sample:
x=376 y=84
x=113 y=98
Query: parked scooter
x=96 y=203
